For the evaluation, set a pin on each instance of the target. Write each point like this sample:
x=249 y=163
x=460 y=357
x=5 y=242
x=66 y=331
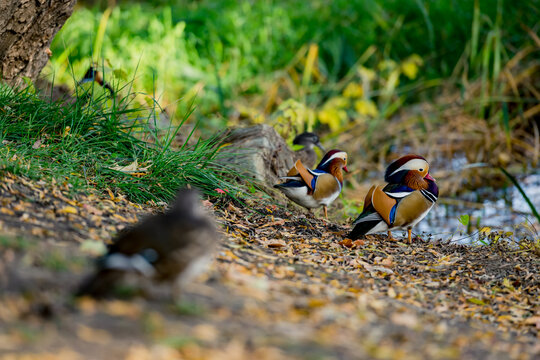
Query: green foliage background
x=222 y=51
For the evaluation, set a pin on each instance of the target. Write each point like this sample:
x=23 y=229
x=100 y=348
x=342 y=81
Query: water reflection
x=503 y=209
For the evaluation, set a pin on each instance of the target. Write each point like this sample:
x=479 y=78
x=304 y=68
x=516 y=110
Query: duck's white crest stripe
x=398 y=194
x=412 y=165
x=340 y=154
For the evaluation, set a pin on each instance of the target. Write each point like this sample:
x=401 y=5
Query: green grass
x=218 y=52
x=86 y=142
x=514 y=181
x=189 y=308
x=18 y=243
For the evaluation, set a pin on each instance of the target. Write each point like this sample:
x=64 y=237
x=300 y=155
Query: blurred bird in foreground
x=317 y=187
x=307 y=154
x=171 y=247
x=407 y=198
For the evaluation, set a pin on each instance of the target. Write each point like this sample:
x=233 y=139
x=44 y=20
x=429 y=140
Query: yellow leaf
x=411 y=66
x=366 y=107
x=68 y=210
x=111 y=195
x=387 y=65
x=123 y=308
x=485 y=230
x=507 y=284
x=7 y=211
x=353 y=90
x=476 y=301
x=334 y=283
x=295 y=113
x=392 y=82
x=259 y=119
x=410 y=70
x=314 y=303
x=366 y=74
x=311 y=60
x=120 y=217
x=332 y=117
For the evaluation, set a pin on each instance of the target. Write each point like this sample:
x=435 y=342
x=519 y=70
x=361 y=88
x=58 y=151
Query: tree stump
x=27 y=28
x=258 y=152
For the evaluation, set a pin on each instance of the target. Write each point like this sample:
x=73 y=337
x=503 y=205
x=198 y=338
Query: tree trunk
x=258 y=152
x=27 y=28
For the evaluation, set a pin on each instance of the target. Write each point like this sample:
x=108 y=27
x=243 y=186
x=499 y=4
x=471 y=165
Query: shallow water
x=499 y=209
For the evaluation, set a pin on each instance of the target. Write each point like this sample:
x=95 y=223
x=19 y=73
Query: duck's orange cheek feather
x=415 y=180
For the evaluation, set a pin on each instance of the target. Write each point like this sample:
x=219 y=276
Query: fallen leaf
x=205 y=332
x=405 y=319
x=389 y=261
x=274 y=223
x=207 y=204
x=7 y=211
x=276 y=243
x=97 y=336
x=346 y=242
x=68 y=210
x=358 y=243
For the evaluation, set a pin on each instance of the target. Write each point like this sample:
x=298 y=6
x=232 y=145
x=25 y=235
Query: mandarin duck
x=171 y=247
x=307 y=154
x=407 y=198
x=317 y=187
x=95 y=75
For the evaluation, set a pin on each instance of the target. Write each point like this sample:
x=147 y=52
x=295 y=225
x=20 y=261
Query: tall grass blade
x=475 y=32
x=101 y=32
x=310 y=64
x=522 y=192
x=506 y=125
x=497 y=49
x=429 y=24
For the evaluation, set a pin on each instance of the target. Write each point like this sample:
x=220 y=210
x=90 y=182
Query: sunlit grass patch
x=102 y=142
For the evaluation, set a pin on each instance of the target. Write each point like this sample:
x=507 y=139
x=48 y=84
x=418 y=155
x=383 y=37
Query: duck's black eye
x=420 y=169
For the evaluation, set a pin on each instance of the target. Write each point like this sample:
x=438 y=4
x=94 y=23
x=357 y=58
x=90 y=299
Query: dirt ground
x=282 y=286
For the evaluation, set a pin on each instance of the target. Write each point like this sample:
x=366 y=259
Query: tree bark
x=27 y=28
x=258 y=152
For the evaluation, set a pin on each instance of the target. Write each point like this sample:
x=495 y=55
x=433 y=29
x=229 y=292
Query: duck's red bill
x=345 y=168
x=429 y=177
